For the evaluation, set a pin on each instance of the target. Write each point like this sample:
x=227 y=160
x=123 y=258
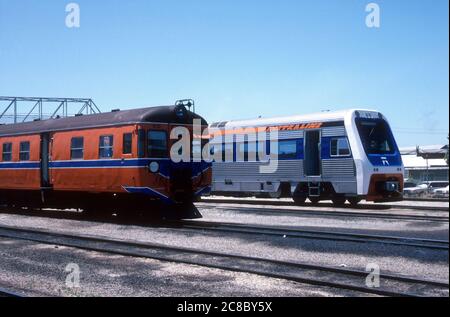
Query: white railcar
x=345 y=155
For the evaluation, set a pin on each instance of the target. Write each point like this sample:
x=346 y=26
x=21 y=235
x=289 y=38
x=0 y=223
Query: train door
x=312 y=162
x=45 y=160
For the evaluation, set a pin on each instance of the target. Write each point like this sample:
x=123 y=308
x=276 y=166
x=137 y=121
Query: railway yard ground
x=240 y=248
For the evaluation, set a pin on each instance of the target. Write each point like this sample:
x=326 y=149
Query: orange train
x=118 y=160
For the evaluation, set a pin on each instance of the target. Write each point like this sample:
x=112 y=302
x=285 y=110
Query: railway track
x=354 y=280
x=267 y=211
x=354 y=214
x=314 y=234
x=445 y=200
x=322 y=204
x=288 y=232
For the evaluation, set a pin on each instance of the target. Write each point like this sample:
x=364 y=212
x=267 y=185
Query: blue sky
x=237 y=58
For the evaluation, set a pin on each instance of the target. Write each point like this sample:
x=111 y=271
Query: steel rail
x=293 y=212
x=323 y=204
x=287 y=232
x=354 y=280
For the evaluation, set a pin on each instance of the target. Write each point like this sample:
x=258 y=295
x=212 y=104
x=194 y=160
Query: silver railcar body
x=345 y=155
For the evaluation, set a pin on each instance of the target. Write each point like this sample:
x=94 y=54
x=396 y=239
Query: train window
x=157 y=144
x=339 y=147
x=141 y=143
x=242 y=152
x=106 y=146
x=376 y=136
x=287 y=150
x=24 y=151
x=248 y=151
x=227 y=152
x=7 y=152
x=127 y=143
x=77 y=148
x=252 y=151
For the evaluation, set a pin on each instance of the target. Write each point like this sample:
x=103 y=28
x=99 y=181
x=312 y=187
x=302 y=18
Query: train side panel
x=17 y=173
x=245 y=177
x=96 y=174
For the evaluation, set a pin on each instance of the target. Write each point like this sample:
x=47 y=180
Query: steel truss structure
x=39 y=107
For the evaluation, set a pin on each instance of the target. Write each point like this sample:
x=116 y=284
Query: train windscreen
x=376 y=136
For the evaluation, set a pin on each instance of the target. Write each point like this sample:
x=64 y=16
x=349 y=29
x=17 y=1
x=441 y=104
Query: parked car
x=441 y=192
x=408 y=184
x=436 y=185
x=418 y=191
x=423 y=189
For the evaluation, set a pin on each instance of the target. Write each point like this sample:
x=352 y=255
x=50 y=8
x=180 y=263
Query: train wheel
x=96 y=213
x=339 y=201
x=299 y=200
x=314 y=200
x=276 y=195
x=354 y=201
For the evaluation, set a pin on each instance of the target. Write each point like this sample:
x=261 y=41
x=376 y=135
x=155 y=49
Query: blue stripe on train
x=165 y=165
x=20 y=165
x=101 y=163
x=300 y=155
x=128 y=163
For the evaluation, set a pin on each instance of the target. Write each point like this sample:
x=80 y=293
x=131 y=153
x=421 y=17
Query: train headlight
x=392 y=186
x=154 y=167
x=180 y=111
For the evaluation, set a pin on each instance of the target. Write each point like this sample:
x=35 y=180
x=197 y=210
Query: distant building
x=425 y=163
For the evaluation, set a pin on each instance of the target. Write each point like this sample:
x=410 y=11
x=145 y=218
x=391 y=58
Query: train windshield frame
x=376 y=136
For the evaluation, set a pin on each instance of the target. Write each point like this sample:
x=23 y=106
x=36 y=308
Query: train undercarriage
x=319 y=191
x=99 y=203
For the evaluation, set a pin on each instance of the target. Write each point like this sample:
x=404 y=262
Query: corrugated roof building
x=426 y=163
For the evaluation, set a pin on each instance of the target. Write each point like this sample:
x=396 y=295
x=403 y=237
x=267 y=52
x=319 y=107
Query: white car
x=418 y=191
x=441 y=192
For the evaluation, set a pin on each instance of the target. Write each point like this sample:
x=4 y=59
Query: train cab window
x=141 y=143
x=376 y=136
x=157 y=144
x=287 y=149
x=127 y=143
x=77 y=149
x=24 y=151
x=7 y=152
x=339 y=147
x=106 y=146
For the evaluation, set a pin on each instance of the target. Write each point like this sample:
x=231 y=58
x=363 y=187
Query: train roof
x=161 y=114
x=328 y=116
